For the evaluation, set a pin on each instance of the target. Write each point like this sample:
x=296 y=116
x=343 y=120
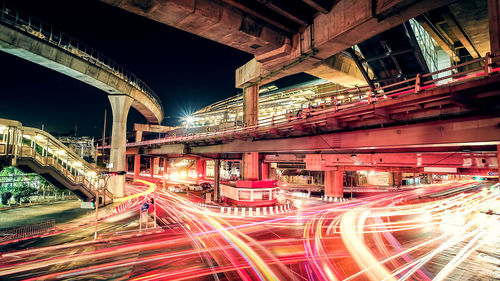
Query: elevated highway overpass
x=372 y=119
x=30 y=39
x=445 y=122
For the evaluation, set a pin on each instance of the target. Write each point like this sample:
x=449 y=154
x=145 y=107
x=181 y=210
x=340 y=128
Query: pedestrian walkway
x=62 y=211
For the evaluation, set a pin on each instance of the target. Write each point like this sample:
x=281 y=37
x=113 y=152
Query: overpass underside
x=462 y=114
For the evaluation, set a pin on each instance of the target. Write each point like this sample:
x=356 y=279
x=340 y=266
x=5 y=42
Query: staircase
x=33 y=150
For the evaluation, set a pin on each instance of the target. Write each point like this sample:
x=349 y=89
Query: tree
x=6 y=197
x=24 y=192
x=19 y=184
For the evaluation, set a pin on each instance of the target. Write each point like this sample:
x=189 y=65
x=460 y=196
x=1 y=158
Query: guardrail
x=60 y=39
x=360 y=96
x=27 y=230
x=20 y=142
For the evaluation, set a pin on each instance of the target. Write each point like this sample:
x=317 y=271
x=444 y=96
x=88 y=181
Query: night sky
x=187 y=72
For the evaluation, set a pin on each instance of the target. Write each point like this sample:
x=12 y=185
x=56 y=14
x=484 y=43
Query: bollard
x=243 y=212
x=258 y=211
x=264 y=209
x=250 y=211
x=281 y=208
x=271 y=210
x=222 y=210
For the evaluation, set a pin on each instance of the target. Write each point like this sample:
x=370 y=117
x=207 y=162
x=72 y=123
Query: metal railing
x=42 y=31
x=359 y=96
x=18 y=142
x=27 y=230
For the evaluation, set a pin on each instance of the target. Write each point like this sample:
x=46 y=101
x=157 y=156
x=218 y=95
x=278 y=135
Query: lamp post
x=96 y=202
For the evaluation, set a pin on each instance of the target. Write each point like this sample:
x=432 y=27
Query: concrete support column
x=428 y=178
x=272 y=174
x=120 y=105
x=251 y=105
x=156 y=165
x=494 y=20
x=264 y=171
x=398 y=178
x=151 y=165
x=200 y=169
x=334 y=182
x=498 y=160
x=137 y=166
x=216 y=180
x=137 y=157
x=138 y=136
x=250 y=165
x=165 y=166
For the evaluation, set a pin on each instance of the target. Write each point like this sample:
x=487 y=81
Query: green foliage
x=24 y=192
x=20 y=185
x=6 y=197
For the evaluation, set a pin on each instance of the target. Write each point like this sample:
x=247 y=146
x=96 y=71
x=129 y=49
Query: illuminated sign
x=440 y=170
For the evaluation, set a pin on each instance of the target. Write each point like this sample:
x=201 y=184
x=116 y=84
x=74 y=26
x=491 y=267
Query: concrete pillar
x=498 y=160
x=428 y=178
x=251 y=105
x=334 y=182
x=151 y=165
x=216 y=180
x=264 y=171
x=165 y=166
x=200 y=169
x=120 y=105
x=137 y=157
x=250 y=165
x=398 y=178
x=137 y=166
x=138 y=136
x=494 y=21
x=156 y=165
x=272 y=174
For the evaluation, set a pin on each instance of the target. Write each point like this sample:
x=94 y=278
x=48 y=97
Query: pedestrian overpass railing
x=19 y=142
x=43 y=31
x=345 y=99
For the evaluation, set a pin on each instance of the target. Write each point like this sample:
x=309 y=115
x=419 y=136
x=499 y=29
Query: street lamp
x=106 y=176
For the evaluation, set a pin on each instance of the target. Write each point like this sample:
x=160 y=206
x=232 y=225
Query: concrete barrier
x=255 y=212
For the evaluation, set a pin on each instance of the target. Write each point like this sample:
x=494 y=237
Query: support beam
x=498 y=160
x=216 y=180
x=323 y=6
x=334 y=182
x=120 y=105
x=264 y=171
x=457 y=132
x=251 y=105
x=460 y=34
x=250 y=164
x=156 y=165
x=137 y=166
x=151 y=167
x=494 y=20
x=398 y=178
x=200 y=169
x=165 y=166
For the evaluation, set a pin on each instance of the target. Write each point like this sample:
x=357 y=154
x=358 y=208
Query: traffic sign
x=144 y=207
